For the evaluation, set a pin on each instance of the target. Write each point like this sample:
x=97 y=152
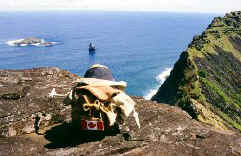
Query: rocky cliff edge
x=165 y=130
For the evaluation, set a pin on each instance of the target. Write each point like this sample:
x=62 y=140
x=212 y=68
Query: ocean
x=139 y=47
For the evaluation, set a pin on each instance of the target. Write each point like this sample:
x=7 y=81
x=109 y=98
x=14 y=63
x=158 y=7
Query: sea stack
x=91 y=47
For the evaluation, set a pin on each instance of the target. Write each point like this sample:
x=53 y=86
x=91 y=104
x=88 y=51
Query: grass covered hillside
x=206 y=80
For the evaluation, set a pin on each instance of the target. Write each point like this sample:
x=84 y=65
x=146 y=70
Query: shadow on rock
x=65 y=135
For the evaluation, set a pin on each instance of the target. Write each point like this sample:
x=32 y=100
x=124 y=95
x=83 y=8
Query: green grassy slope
x=206 y=80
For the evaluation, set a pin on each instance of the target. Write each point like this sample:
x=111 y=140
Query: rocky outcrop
x=24 y=100
x=31 y=41
x=165 y=130
x=206 y=80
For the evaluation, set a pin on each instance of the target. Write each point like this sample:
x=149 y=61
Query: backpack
x=104 y=102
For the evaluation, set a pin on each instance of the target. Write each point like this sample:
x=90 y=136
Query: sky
x=203 y=6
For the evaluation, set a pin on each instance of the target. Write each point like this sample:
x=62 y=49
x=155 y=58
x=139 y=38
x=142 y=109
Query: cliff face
x=206 y=80
x=165 y=130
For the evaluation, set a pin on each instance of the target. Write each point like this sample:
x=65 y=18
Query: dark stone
x=11 y=96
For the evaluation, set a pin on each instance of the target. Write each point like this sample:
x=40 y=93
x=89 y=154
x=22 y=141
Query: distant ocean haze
x=139 y=47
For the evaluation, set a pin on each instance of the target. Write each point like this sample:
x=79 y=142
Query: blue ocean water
x=137 y=46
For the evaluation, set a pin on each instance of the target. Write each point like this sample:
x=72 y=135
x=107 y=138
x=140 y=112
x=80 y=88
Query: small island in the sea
x=31 y=41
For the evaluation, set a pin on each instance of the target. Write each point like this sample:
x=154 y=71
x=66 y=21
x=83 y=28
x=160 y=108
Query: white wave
x=54 y=43
x=150 y=93
x=161 y=79
x=36 y=44
x=23 y=45
x=13 y=42
x=163 y=76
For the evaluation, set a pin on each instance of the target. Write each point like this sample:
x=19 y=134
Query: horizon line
x=109 y=10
